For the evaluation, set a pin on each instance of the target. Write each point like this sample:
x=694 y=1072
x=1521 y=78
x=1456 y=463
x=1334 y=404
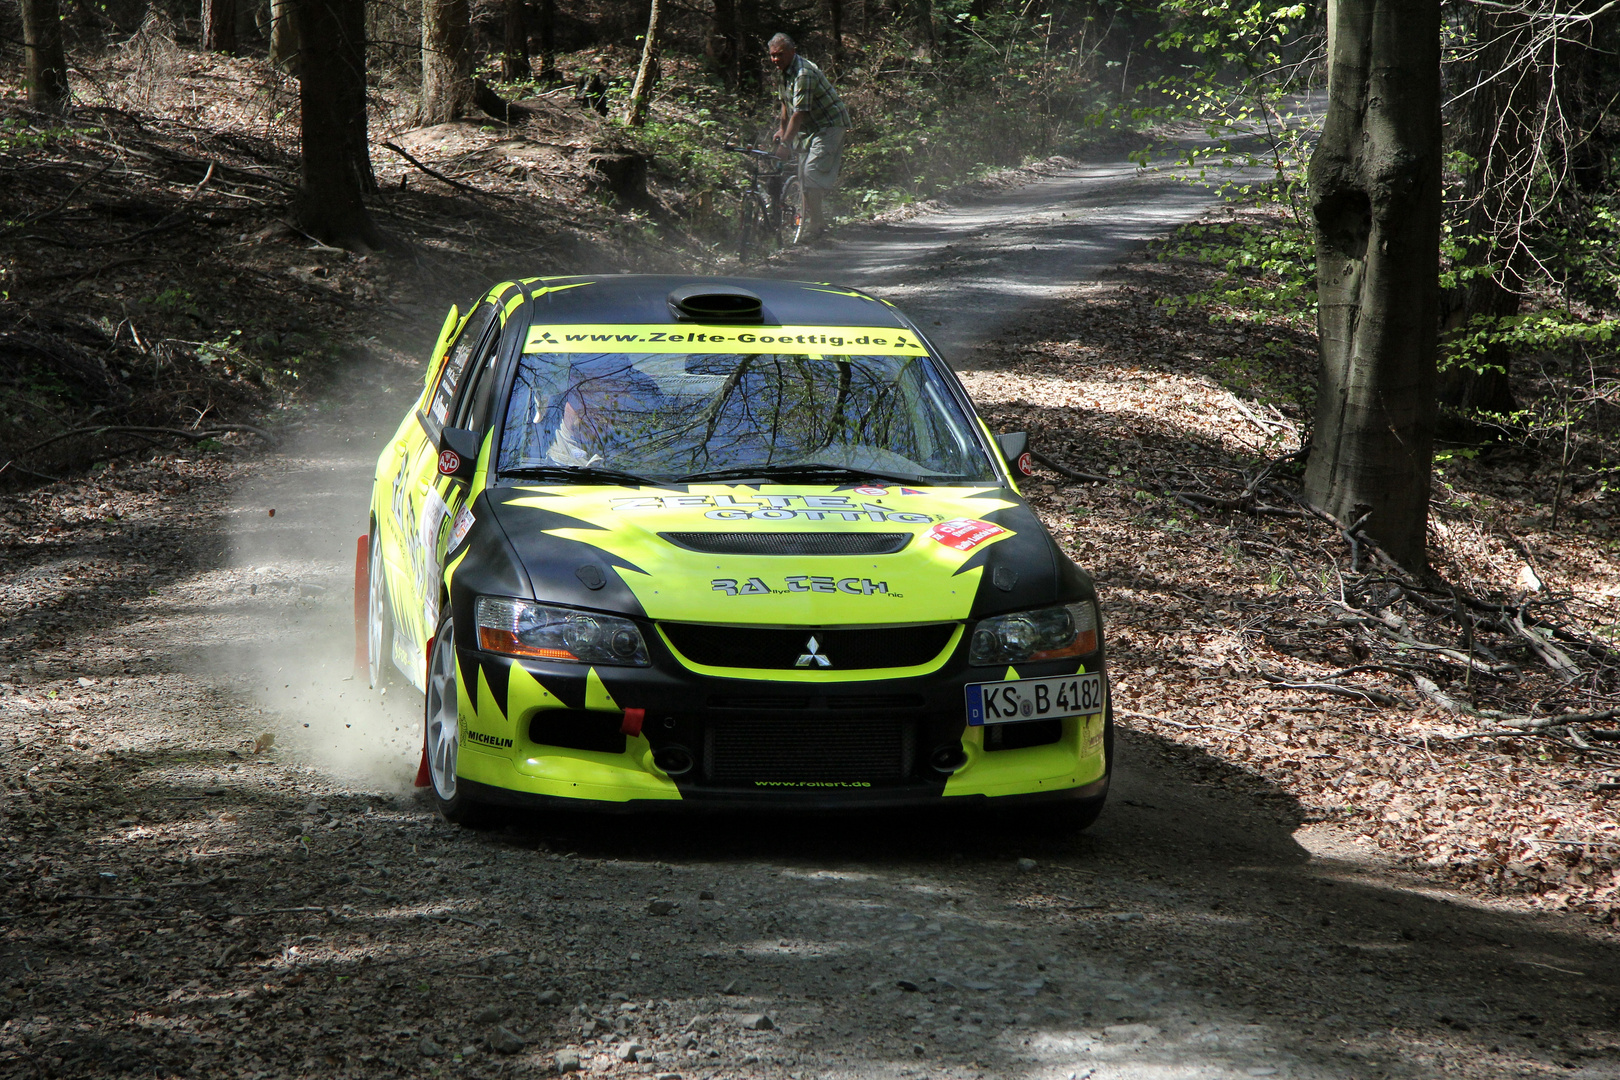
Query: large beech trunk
x=635 y=114
x=447 y=84
x=1375 y=196
x=219 y=26
x=332 y=100
x=46 y=73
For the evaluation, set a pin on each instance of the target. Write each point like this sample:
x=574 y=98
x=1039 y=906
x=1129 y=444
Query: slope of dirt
x=151 y=276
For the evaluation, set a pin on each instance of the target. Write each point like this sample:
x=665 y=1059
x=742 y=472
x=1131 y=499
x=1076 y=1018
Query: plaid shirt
x=805 y=89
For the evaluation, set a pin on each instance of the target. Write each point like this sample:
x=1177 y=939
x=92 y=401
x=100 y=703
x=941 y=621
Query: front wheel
x=792 y=210
x=443 y=734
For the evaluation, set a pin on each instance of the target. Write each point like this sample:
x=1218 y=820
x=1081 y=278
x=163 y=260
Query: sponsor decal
x=773 y=508
x=799 y=340
x=1026 y=464
x=803 y=583
x=449 y=462
x=812 y=783
x=458 y=531
x=481 y=739
x=964 y=534
x=868 y=489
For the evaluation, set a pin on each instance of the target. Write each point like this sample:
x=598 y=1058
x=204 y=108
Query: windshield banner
x=679 y=338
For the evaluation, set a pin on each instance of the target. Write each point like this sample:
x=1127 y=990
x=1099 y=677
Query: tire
x=379 y=623
x=754 y=233
x=442 y=732
x=792 y=210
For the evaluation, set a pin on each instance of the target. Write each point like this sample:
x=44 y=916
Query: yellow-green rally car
x=722 y=542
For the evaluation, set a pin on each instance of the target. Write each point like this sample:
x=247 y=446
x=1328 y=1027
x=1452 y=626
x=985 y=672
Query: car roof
x=644 y=299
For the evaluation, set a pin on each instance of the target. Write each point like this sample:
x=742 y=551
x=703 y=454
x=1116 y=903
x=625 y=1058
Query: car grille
x=770 y=702
x=844 y=648
x=789 y=543
x=843 y=750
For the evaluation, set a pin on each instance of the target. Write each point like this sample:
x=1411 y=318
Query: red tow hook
x=422 y=777
x=631 y=725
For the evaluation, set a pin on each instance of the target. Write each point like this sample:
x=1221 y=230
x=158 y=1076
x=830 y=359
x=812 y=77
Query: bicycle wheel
x=754 y=233
x=792 y=205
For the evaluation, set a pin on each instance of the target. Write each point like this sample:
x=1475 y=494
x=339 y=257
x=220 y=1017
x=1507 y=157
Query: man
x=812 y=112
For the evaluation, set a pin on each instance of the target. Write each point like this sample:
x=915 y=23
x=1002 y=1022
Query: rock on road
x=182 y=903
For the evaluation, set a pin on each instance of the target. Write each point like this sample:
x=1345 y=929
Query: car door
x=419 y=509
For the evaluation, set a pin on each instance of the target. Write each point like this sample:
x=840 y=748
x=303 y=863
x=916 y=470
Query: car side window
x=472 y=408
x=461 y=352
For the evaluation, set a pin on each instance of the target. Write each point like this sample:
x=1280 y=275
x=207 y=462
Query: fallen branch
x=437 y=175
x=1064 y=470
x=120 y=429
x=1377 y=697
x=57 y=209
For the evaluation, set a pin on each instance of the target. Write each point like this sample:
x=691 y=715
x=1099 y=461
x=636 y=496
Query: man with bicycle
x=812 y=112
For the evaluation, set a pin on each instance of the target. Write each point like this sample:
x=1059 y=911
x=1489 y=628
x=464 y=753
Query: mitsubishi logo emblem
x=812 y=655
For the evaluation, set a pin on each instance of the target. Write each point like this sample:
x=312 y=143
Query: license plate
x=1034 y=699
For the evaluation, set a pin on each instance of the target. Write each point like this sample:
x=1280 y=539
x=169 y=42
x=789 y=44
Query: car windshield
x=685 y=416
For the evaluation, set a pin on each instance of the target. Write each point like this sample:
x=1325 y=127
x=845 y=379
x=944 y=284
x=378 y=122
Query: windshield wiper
x=809 y=471
x=581 y=474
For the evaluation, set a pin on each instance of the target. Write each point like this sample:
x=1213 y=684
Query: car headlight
x=524 y=628
x=1043 y=634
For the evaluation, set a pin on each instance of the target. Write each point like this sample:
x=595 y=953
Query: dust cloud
x=293 y=534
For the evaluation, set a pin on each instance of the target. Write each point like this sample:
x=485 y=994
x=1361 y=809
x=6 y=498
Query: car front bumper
x=538 y=733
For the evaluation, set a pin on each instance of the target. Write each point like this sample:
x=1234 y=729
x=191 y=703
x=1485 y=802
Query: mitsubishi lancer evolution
x=654 y=542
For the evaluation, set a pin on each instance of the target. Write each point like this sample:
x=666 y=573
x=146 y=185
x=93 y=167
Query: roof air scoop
x=709 y=302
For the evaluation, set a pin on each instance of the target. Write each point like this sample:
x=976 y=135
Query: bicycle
x=772 y=210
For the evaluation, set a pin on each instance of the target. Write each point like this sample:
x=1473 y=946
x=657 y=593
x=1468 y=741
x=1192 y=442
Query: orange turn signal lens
x=494 y=639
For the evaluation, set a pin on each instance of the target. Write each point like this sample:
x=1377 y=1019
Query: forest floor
x=212 y=862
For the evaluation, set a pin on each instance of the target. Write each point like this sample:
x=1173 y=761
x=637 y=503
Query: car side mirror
x=1015 y=448
x=458 y=452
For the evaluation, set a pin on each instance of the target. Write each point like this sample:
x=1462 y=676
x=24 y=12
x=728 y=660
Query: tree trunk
x=332 y=100
x=1375 y=196
x=835 y=18
x=1495 y=132
x=635 y=114
x=922 y=15
x=283 y=36
x=447 y=85
x=721 y=47
x=515 y=51
x=548 y=42
x=219 y=26
x=46 y=74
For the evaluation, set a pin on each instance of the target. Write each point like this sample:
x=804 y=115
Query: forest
x=1342 y=448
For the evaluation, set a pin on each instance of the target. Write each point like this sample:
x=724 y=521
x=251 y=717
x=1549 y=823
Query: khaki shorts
x=822 y=151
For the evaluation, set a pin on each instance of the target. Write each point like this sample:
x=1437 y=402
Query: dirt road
x=182 y=899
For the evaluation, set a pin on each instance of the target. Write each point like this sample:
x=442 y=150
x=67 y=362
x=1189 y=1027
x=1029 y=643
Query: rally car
x=652 y=541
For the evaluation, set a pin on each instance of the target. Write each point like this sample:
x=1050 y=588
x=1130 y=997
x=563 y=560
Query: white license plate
x=1034 y=699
